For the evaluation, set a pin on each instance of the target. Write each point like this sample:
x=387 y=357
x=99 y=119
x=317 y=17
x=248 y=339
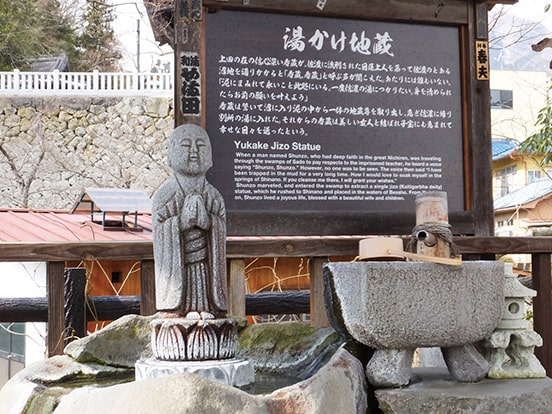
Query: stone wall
x=51 y=148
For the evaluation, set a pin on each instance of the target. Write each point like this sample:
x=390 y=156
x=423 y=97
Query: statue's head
x=190 y=150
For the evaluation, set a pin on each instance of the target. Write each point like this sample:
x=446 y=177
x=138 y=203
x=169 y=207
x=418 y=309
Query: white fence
x=86 y=83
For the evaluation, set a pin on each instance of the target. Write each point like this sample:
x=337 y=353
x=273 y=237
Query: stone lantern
x=510 y=348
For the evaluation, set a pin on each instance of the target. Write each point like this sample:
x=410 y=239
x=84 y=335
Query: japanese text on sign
x=482 y=59
x=191 y=84
x=295 y=40
x=350 y=114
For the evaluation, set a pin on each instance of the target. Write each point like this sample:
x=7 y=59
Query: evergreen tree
x=19 y=37
x=34 y=28
x=97 y=41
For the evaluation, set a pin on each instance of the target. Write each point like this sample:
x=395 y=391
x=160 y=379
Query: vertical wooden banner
x=189 y=60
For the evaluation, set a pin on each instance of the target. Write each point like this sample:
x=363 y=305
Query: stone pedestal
x=206 y=347
x=181 y=339
x=433 y=391
x=234 y=372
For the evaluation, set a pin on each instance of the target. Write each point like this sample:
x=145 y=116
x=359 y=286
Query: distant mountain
x=510 y=41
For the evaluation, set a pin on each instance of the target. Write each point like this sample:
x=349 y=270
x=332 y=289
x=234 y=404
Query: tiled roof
x=503 y=147
x=524 y=195
x=23 y=225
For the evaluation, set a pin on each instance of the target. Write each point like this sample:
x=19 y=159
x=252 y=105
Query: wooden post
x=432 y=207
x=319 y=317
x=147 y=288
x=478 y=142
x=542 y=307
x=189 y=105
x=236 y=288
x=56 y=304
x=75 y=310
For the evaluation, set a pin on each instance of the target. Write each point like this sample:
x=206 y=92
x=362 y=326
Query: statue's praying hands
x=194 y=213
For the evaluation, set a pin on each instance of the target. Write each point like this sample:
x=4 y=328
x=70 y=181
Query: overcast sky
x=128 y=13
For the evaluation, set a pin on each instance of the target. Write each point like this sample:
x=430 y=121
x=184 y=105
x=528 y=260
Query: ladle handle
x=456 y=261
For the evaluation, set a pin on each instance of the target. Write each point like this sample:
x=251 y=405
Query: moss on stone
x=291 y=337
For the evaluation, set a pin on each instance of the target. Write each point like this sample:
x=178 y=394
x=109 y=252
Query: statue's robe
x=190 y=266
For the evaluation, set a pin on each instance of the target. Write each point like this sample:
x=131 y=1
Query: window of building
x=534 y=175
x=502 y=99
x=505 y=180
x=12 y=350
x=12 y=338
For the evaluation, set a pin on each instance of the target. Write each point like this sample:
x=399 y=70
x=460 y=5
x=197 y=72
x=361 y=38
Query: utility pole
x=138 y=45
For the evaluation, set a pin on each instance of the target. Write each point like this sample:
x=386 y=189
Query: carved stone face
x=190 y=150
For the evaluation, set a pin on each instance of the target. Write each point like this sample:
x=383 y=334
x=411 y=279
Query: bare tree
x=25 y=170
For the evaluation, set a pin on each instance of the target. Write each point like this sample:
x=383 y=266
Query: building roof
x=24 y=225
x=113 y=200
x=50 y=63
x=503 y=148
x=531 y=193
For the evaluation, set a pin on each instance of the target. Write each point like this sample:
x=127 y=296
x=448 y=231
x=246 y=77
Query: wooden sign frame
x=476 y=215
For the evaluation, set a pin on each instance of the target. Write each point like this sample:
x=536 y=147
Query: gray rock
x=435 y=393
x=119 y=344
x=61 y=379
x=339 y=387
x=290 y=348
x=20 y=392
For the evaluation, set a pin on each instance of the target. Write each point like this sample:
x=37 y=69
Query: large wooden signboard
x=331 y=123
x=312 y=113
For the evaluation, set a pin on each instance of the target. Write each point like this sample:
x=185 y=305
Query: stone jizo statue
x=189 y=246
x=189 y=232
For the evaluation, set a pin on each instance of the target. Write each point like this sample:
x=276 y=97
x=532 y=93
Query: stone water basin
x=402 y=305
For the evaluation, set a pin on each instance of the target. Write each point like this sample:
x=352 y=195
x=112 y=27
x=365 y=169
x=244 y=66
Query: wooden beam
x=24 y=309
x=101 y=308
x=75 y=251
x=279 y=303
x=243 y=247
x=434 y=11
x=113 y=307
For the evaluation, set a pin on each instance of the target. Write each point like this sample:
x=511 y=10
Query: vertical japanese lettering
x=190 y=92
x=482 y=59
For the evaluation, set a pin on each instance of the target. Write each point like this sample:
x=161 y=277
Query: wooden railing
x=86 y=83
x=238 y=249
